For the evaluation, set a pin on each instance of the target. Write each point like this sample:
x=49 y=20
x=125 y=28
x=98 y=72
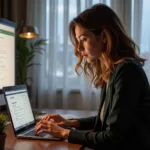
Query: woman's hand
x=59 y=120
x=50 y=127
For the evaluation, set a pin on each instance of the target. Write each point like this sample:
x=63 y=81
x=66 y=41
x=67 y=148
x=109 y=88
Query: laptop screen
x=19 y=107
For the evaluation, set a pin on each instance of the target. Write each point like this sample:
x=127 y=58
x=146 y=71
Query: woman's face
x=89 y=44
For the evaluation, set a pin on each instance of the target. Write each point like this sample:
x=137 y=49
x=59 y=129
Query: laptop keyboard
x=32 y=133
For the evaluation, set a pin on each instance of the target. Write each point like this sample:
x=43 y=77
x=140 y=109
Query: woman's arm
x=128 y=86
x=84 y=123
x=50 y=126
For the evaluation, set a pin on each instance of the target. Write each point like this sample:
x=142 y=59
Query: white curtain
x=143 y=38
x=55 y=83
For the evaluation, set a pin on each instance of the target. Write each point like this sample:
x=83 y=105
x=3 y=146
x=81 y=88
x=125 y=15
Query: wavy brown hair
x=119 y=45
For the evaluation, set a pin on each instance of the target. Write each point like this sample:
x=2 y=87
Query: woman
x=109 y=56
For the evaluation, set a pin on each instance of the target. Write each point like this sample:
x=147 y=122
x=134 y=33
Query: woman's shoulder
x=130 y=70
x=129 y=62
x=129 y=65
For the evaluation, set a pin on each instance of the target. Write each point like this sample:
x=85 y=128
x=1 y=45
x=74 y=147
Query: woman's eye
x=84 y=39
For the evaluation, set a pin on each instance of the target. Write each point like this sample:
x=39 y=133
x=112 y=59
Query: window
x=65 y=49
x=140 y=22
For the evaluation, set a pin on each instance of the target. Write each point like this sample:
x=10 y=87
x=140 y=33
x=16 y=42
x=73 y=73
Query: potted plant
x=26 y=51
x=3 y=120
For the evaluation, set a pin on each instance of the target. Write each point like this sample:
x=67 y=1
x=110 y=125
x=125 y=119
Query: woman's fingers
x=45 y=117
x=43 y=125
x=50 y=127
x=45 y=122
x=38 y=123
x=48 y=117
x=52 y=120
x=44 y=131
x=60 y=123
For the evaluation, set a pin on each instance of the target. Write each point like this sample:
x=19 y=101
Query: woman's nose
x=80 y=47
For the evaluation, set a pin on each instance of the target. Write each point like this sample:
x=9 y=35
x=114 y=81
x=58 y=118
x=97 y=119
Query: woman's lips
x=84 y=55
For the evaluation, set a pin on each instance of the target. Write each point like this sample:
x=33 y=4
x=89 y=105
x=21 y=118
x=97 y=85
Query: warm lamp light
x=29 y=32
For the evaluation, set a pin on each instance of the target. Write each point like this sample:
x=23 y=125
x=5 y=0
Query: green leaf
x=33 y=64
x=29 y=59
x=3 y=120
x=25 y=53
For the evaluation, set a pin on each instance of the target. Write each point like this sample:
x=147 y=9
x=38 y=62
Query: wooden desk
x=12 y=143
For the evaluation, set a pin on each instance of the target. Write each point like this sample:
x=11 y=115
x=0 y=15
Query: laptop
x=21 y=114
